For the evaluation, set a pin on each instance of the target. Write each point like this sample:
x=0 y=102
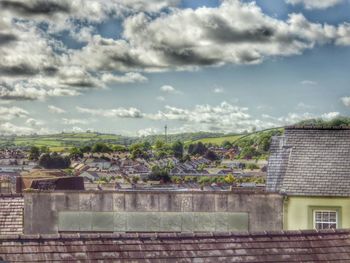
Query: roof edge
x=313 y=127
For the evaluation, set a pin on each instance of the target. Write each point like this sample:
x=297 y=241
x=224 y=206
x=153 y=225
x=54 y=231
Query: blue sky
x=130 y=67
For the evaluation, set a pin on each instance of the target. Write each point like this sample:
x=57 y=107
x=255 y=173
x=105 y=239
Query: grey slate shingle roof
x=11 y=214
x=310 y=162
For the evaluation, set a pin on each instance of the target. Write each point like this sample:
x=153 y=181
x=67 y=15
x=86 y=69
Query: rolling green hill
x=217 y=140
x=58 y=142
x=62 y=141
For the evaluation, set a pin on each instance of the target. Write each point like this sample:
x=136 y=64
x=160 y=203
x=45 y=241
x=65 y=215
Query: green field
x=62 y=141
x=217 y=140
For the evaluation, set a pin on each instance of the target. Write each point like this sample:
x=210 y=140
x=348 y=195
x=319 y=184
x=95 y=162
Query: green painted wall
x=298 y=211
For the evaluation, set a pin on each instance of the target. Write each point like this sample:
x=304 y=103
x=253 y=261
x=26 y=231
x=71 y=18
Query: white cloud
x=218 y=90
x=33 y=122
x=148 y=131
x=74 y=121
x=169 y=89
x=31 y=89
x=9 y=113
x=160 y=98
x=303 y=106
x=346 y=101
x=309 y=82
x=35 y=65
x=8 y=128
x=130 y=77
x=117 y=112
x=330 y=115
x=315 y=4
x=54 y=109
x=293 y=118
x=223 y=117
x=77 y=129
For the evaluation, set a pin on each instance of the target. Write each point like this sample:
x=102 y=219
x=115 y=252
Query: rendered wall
x=297 y=211
x=195 y=211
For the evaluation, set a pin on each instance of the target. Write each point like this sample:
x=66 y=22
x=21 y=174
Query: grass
x=61 y=141
x=217 y=140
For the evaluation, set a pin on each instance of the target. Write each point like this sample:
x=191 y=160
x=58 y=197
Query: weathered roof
x=311 y=162
x=11 y=214
x=291 y=246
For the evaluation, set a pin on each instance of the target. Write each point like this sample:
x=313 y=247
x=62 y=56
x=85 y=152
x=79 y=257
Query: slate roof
x=290 y=246
x=11 y=214
x=310 y=161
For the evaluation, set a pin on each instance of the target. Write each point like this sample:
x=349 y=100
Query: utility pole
x=165 y=133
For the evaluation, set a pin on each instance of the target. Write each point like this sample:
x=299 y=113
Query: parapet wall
x=80 y=211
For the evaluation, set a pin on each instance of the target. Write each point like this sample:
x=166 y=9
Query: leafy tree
x=162 y=149
x=101 y=148
x=176 y=179
x=197 y=149
x=34 y=153
x=119 y=148
x=139 y=150
x=135 y=179
x=44 y=149
x=252 y=166
x=186 y=158
x=54 y=161
x=230 y=179
x=159 y=174
x=203 y=180
x=75 y=153
x=178 y=149
x=85 y=149
x=210 y=155
x=226 y=144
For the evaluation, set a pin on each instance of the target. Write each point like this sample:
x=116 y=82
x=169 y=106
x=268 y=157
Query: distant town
x=144 y=165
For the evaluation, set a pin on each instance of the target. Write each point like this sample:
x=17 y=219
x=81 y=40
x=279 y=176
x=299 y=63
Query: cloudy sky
x=132 y=66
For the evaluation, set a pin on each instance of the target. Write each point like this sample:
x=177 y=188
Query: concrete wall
x=49 y=212
x=299 y=215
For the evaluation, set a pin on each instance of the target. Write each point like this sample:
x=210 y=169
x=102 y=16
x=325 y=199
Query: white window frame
x=325 y=222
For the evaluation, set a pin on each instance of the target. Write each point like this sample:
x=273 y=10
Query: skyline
x=130 y=67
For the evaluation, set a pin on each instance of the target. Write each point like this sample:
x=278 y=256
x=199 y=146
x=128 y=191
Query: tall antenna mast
x=165 y=133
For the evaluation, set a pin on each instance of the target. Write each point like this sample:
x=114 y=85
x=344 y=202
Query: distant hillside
x=217 y=140
x=58 y=142
x=183 y=137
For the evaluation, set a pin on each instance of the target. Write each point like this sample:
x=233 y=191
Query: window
x=325 y=219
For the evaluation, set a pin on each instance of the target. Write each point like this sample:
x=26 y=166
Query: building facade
x=310 y=167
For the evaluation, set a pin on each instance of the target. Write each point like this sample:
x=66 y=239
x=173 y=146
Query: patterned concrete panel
x=152 y=221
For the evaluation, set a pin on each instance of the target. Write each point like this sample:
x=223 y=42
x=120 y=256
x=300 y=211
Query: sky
x=132 y=66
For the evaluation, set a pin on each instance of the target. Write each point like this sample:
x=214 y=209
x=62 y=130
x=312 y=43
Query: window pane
x=325 y=219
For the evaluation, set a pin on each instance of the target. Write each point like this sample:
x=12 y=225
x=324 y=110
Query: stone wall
x=54 y=212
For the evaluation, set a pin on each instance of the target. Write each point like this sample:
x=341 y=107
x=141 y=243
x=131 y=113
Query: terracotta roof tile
x=282 y=246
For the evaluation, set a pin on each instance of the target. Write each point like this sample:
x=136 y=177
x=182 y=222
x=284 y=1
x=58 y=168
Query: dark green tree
x=34 y=153
x=54 y=161
x=178 y=149
x=75 y=153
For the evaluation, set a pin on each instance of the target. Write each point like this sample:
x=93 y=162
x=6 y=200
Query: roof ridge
x=174 y=235
x=316 y=127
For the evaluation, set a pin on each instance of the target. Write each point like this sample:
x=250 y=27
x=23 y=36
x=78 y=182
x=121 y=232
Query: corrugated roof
x=291 y=246
x=11 y=214
x=310 y=161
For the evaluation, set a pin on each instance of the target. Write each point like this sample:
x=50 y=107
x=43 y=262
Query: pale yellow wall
x=296 y=210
